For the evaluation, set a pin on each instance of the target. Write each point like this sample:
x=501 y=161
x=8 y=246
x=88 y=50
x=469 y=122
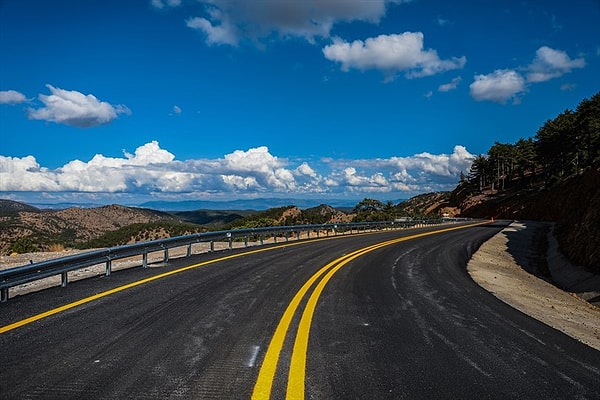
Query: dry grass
x=56 y=247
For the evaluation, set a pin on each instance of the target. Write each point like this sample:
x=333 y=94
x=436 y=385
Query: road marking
x=34 y=318
x=297 y=368
x=253 y=354
x=89 y=299
x=264 y=382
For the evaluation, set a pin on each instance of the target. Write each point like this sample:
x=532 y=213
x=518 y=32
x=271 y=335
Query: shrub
x=23 y=245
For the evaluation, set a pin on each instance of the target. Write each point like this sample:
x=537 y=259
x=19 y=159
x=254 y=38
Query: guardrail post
x=189 y=250
x=145 y=259
x=3 y=295
x=262 y=239
x=297 y=235
x=166 y=256
x=63 y=279
x=108 y=267
x=212 y=246
x=287 y=236
x=246 y=241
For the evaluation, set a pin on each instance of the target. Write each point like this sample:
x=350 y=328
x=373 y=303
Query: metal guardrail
x=61 y=266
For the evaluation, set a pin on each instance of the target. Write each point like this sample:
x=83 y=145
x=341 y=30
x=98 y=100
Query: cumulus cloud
x=499 y=86
x=11 y=97
x=453 y=84
x=100 y=174
x=391 y=54
x=445 y=166
x=229 y=21
x=265 y=169
x=153 y=171
x=550 y=63
x=25 y=174
x=505 y=84
x=419 y=173
x=73 y=108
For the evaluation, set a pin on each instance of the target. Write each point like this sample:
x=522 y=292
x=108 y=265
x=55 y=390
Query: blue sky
x=129 y=101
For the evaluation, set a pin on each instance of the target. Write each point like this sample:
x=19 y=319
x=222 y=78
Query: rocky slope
x=433 y=204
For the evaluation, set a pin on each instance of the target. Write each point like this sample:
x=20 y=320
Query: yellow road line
x=295 y=387
x=297 y=368
x=74 y=304
x=264 y=382
x=85 y=300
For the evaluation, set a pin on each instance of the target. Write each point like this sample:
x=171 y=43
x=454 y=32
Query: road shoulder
x=500 y=267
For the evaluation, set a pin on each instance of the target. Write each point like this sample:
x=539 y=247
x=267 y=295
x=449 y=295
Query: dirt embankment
x=574 y=205
x=501 y=266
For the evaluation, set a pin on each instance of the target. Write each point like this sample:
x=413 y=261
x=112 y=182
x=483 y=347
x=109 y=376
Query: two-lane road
x=377 y=316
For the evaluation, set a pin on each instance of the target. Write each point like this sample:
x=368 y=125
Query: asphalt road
x=338 y=318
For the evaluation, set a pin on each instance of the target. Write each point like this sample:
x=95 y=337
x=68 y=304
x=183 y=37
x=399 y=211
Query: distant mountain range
x=258 y=204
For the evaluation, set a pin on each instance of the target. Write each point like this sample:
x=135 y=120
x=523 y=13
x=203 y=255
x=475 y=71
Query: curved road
x=390 y=315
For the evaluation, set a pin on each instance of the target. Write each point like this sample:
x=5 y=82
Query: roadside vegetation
x=562 y=148
x=141 y=232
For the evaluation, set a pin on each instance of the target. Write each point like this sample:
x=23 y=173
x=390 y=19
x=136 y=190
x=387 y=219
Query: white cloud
x=266 y=169
x=453 y=84
x=550 y=63
x=391 y=54
x=568 y=86
x=177 y=109
x=25 y=174
x=100 y=174
x=221 y=32
x=305 y=169
x=153 y=171
x=11 y=97
x=424 y=167
x=75 y=109
x=230 y=21
x=505 y=84
x=160 y=4
x=355 y=182
x=499 y=86
x=444 y=22
x=148 y=154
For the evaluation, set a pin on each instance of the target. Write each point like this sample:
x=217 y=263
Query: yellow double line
x=263 y=386
x=57 y=310
x=297 y=367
